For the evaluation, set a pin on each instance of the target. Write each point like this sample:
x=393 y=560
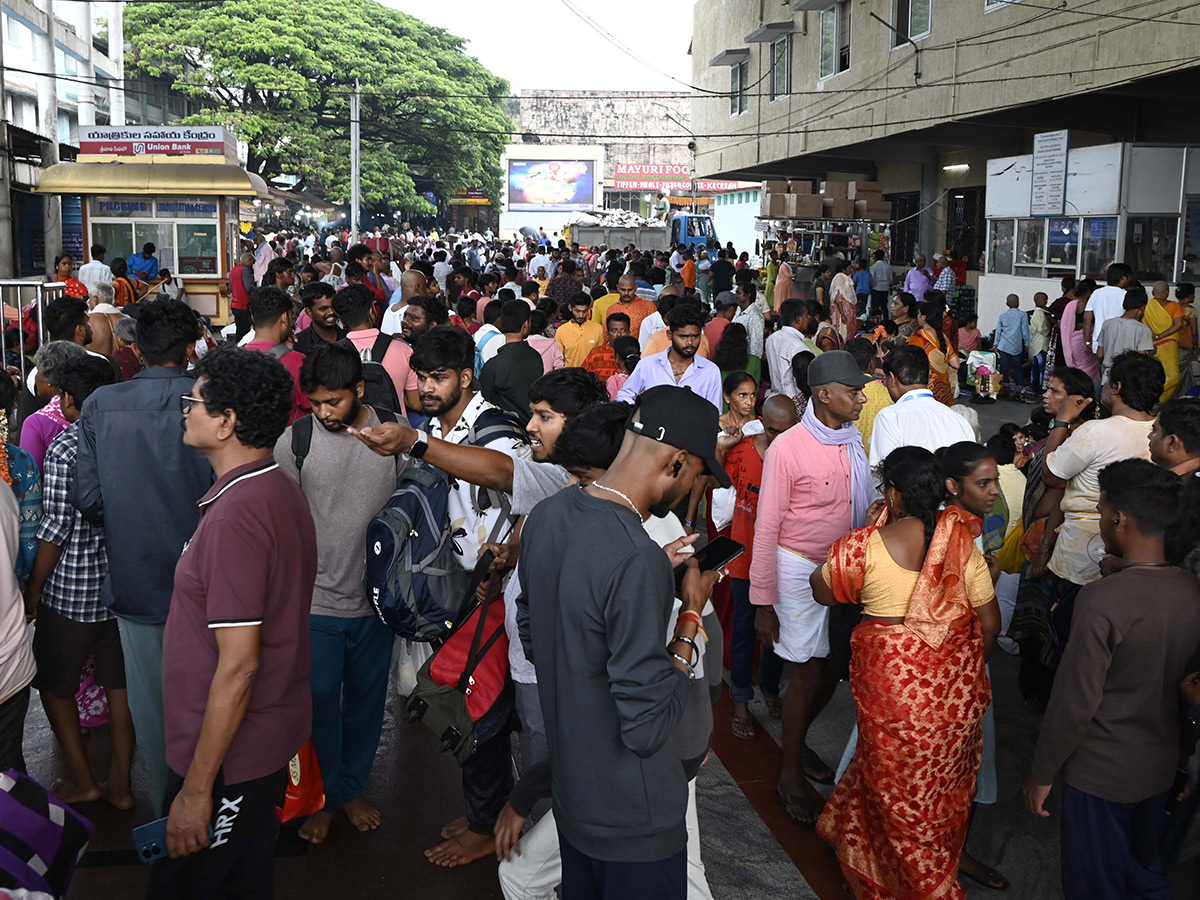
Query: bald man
x=413 y=283
x=628 y=302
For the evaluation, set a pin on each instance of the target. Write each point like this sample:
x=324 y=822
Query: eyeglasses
x=186 y=403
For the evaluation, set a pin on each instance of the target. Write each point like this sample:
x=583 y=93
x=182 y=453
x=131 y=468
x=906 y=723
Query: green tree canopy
x=279 y=73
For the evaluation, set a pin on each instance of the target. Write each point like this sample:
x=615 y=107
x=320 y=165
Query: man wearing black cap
x=611 y=693
x=816 y=486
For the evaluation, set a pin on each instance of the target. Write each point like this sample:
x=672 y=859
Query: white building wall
x=733 y=218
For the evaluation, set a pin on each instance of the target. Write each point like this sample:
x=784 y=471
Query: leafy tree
x=280 y=73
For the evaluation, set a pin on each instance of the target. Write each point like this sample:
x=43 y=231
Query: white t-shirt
x=1105 y=303
x=1080 y=459
x=392 y=319
x=917 y=419
x=489 y=339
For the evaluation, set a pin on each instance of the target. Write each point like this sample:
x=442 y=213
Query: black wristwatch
x=1059 y=423
x=420 y=445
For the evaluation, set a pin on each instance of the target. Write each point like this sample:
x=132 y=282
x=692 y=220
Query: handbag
x=41 y=838
x=464 y=693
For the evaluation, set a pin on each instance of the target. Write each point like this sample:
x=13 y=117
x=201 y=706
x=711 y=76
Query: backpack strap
x=279 y=351
x=302 y=432
x=380 y=348
x=473 y=655
x=385 y=414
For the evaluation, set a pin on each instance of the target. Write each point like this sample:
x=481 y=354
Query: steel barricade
x=34 y=294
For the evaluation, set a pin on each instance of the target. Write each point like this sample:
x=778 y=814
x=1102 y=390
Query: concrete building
x=921 y=94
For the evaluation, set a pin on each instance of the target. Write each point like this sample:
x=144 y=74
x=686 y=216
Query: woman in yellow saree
x=943 y=361
x=898 y=818
x=1164 y=318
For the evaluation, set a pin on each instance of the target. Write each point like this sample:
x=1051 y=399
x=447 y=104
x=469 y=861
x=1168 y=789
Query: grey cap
x=725 y=299
x=836 y=367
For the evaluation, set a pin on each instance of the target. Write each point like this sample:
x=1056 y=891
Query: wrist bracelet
x=680 y=639
x=692 y=615
x=691 y=673
x=689 y=524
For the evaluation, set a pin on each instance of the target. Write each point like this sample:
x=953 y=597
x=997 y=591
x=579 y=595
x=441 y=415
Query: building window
x=835 y=39
x=1099 y=246
x=781 y=67
x=1000 y=250
x=913 y=19
x=1062 y=244
x=906 y=231
x=739 y=84
x=966 y=226
x=1150 y=246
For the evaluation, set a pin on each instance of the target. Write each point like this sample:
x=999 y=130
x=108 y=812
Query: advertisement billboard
x=551 y=184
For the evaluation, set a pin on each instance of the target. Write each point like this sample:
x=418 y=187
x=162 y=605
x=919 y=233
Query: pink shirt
x=394 y=362
x=292 y=360
x=968 y=339
x=552 y=355
x=804 y=506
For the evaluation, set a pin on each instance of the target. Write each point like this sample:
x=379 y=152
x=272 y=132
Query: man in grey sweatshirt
x=611 y=693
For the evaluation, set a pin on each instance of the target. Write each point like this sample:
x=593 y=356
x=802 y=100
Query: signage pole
x=354 y=163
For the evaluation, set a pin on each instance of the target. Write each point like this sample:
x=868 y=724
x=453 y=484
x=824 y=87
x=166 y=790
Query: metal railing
x=22 y=295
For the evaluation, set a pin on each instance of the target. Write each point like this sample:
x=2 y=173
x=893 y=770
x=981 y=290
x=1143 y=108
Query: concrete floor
x=750 y=850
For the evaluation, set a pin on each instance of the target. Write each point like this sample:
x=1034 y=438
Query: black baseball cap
x=681 y=418
x=836 y=367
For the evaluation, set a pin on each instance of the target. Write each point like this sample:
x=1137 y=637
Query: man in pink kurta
x=816 y=486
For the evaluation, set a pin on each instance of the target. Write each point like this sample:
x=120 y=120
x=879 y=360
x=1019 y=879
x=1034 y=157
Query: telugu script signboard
x=157 y=140
x=1049 y=173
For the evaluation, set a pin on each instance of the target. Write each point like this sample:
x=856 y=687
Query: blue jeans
x=1112 y=851
x=1037 y=370
x=350 y=659
x=1010 y=364
x=741 y=650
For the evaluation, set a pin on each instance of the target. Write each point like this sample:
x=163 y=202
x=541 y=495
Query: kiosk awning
x=157 y=179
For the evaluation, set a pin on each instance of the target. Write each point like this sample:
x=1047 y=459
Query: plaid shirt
x=73 y=589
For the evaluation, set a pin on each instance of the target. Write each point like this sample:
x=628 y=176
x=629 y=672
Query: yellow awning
x=156 y=179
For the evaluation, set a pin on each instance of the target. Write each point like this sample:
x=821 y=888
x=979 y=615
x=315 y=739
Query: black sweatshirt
x=611 y=696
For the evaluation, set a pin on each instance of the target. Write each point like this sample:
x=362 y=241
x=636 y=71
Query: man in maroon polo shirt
x=236 y=651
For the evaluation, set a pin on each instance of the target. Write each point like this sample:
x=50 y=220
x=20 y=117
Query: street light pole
x=355 y=162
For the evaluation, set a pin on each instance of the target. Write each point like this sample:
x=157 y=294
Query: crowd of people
x=598 y=417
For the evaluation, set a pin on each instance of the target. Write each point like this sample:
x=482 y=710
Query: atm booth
x=185 y=203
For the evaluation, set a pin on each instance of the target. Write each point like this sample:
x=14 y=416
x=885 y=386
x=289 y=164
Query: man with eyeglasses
x=135 y=478
x=236 y=653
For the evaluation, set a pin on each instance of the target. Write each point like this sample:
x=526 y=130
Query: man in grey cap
x=816 y=486
x=612 y=689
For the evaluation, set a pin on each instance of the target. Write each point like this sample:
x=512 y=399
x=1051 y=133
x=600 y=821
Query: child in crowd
x=628 y=353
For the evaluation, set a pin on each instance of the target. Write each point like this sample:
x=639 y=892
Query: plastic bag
x=407 y=659
x=305 y=793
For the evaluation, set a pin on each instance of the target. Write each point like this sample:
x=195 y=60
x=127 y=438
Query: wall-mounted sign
x=157 y=140
x=652 y=177
x=1049 y=173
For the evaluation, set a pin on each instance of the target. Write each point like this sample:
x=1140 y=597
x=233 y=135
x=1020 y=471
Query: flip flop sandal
x=795 y=804
x=774 y=706
x=815 y=769
x=743 y=727
x=988 y=877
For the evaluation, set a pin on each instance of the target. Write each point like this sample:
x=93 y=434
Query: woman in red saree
x=899 y=816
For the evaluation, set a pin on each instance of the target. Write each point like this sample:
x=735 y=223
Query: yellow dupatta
x=1157 y=319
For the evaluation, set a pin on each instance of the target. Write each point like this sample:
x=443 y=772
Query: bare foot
x=67 y=792
x=362 y=815
x=465 y=848
x=455 y=828
x=121 y=798
x=316 y=827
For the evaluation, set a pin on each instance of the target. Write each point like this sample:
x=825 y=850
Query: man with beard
x=323 y=325
x=356 y=308
x=444 y=362
x=422 y=313
x=612 y=689
x=678 y=365
x=346 y=485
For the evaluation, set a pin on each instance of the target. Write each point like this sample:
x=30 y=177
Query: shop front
x=1132 y=203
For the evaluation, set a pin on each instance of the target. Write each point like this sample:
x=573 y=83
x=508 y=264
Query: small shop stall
x=176 y=187
x=1074 y=210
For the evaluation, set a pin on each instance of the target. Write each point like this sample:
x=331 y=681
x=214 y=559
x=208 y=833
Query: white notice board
x=1049 y=183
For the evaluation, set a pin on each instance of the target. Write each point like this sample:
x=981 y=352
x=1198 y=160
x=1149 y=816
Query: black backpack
x=302 y=432
x=380 y=391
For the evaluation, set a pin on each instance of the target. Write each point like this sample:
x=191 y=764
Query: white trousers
x=536 y=873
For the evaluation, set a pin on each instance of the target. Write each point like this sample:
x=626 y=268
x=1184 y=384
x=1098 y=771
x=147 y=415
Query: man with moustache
x=412 y=283
x=346 y=485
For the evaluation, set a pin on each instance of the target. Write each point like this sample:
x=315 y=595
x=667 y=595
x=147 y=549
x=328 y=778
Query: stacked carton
x=868 y=200
x=789 y=200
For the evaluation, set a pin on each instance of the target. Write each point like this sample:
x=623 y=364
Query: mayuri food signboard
x=157 y=140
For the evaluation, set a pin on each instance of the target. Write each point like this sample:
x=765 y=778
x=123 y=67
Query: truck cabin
x=695 y=231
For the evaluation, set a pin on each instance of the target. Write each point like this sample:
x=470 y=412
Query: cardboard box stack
x=868 y=200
